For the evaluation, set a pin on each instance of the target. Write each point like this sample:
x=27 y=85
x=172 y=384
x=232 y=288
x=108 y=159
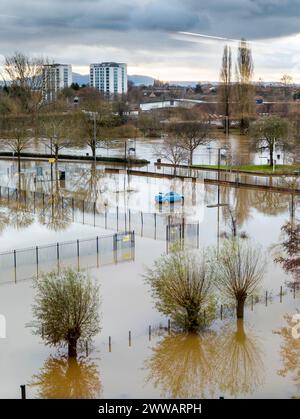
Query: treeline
x=26 y=118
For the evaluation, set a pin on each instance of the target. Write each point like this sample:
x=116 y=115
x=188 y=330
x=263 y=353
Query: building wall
x=109 y=78
x=55 y=78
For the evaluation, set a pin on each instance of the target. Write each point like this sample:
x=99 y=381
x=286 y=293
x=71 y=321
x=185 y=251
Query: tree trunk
x=240 y=307
x=93 y=148
x=19 y=163
x=191 y=157
x=192 y=320
x=72 y=348
x=271 y=156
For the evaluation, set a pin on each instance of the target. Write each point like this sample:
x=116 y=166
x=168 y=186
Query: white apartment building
x=55 y=78
x=109 y=78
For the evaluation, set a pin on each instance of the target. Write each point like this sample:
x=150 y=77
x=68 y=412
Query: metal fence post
x=97 y=247
x=117 y=218
x=37 y=260
x=129 y=218
x=15 y=265
x=23 y=392
x=57 y=256
x=73 y=210
x=142 y=223
x=115 y=247
x=83 y=211
x=78 y=256
x=94 y=214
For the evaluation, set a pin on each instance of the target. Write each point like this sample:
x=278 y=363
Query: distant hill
x=80 y=78
x=141 y=80
x=136 y=79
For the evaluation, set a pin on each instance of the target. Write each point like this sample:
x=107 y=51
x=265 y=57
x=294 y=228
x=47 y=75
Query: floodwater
x=240 y=150
x=230 y=359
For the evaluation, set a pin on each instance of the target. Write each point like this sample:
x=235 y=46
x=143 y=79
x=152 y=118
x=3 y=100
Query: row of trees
x=237 y=98
x=269 y=133
x=66 y=307
x=183 y=283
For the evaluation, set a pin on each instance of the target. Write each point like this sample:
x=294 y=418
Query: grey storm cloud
x=213 y=16
x=137 y=30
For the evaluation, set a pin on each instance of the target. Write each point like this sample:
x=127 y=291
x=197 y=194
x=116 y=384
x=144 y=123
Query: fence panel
x=24 y=264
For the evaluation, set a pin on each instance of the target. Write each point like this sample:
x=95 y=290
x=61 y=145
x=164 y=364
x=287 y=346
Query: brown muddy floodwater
x=257 y=358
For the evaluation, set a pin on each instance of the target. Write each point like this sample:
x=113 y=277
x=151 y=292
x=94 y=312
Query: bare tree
x=58 y=128
x=244 y=88
x=181 y=287
x=23 y=77
x=287 y=81
x=225 y=86
x=190 y=135
x=93 y=123
x=271 y=133
x=66 y=309
x=172 y=151
x=239 y=269
x=16 y=134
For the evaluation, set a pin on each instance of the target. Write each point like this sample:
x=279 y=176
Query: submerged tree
x=172 y=151
x=66 y=309
x=181 y=287
x=190 y=135
x=239 y=269
x=271 y=133
x=16 y=134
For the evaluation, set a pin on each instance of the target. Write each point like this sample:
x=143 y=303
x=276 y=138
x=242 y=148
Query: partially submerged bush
x=66 y=309
x=181 y=287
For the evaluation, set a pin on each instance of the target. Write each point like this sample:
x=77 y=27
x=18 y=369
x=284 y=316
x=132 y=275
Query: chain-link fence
x=18 y=265
x=54 y=210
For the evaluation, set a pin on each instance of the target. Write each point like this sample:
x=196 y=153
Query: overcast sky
x=145 y=34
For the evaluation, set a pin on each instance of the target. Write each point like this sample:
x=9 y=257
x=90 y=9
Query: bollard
x=109 y=343
x=294 y=290
x=23 y=392
x=150 y=332
x=87 y=348
x=281 y=294
x=129 y=338
x=221 y=312
x=266 y=298
x=169 y=326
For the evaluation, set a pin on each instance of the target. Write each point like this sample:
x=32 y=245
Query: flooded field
x=240 y=150
x=231 y=359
